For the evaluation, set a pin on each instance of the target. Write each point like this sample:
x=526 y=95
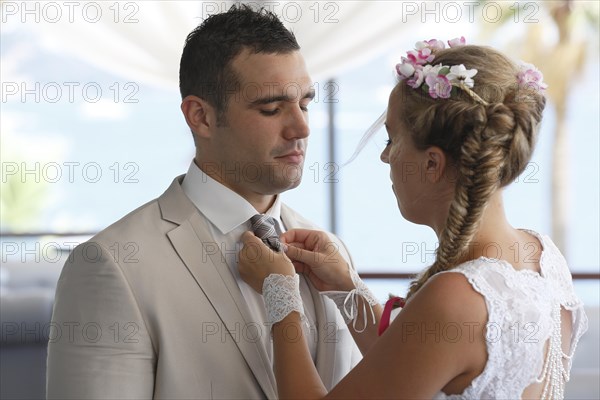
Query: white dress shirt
x=229 y=216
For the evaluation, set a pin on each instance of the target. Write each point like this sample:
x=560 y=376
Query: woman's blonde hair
x=489 y=145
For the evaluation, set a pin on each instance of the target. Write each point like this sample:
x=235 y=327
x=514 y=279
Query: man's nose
x=297 y=125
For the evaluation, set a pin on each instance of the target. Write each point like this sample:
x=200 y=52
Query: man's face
x=259 y=147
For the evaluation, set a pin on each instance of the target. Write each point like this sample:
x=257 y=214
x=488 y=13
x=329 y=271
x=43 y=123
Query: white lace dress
x=523 y=318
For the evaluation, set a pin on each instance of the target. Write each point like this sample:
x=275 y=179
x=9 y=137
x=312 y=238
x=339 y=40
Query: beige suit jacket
x=148 y=308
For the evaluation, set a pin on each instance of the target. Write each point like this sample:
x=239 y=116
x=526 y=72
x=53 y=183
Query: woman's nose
x=385 y=155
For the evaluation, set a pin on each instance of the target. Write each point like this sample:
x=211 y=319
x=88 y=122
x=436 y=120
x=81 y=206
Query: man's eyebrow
x=274 y=99
x=310 y=94
x=387 y=128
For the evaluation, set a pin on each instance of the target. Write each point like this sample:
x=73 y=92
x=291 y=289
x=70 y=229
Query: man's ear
x=200 y=116
x=435 y=163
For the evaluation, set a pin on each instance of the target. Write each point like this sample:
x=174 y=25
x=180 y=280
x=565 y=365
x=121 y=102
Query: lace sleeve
x=282 y=297
x=347 y=302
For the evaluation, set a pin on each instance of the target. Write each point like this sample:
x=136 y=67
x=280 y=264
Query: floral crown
x=438 y=80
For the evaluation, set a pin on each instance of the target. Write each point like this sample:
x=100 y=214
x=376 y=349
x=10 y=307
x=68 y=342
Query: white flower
x=406 y=69
x=459 y=73
x=421 y=45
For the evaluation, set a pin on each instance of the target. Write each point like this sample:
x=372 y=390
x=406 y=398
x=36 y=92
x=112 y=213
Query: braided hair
x=490 y=142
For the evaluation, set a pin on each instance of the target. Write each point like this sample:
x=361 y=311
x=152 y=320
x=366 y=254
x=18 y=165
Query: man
x=153 y=306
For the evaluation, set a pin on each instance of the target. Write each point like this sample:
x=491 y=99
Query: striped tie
x=263 y=227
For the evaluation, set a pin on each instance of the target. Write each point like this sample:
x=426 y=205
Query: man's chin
x=283 y=185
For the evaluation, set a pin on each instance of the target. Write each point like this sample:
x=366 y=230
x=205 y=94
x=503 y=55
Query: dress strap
x=554 y=373
x=387 y=312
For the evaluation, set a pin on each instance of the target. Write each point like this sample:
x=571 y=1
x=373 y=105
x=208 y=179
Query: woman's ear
x=200 y=116
x=435 y=164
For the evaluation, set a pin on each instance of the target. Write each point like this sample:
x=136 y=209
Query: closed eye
x=269 y=113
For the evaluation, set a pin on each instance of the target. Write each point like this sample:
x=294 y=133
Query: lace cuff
x=282 y=296
x=347 y=302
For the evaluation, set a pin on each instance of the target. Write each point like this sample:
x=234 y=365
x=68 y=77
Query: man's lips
x=294 y=157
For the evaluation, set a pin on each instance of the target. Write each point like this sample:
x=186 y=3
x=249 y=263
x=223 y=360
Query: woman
x=473 y=326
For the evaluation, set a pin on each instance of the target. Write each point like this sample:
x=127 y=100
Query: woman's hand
x=257 y=261
x=315 y=255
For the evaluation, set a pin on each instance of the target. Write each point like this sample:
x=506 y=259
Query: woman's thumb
x=249 y=238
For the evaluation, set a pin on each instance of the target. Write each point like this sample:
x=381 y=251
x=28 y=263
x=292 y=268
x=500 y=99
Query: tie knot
x=263 y=227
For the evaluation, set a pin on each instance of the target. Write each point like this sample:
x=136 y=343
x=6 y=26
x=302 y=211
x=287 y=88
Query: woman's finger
x=305 y=256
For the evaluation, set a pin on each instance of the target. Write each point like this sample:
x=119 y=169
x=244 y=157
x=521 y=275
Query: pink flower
x=420 y=57
x=421 y=73
x=530 y=77
x=435 y=44
x=417 y=79
x=439 y=86
x=461 y=41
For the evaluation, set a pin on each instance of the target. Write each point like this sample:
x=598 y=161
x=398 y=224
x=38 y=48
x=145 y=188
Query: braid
x=480 y=164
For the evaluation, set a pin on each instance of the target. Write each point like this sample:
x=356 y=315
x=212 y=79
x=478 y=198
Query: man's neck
x=261 y=202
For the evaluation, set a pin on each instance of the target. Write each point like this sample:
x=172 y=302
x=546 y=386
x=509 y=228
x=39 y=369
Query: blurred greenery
x=574 y=24
x=21 y=200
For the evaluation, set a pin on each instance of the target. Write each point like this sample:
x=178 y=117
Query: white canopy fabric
x=143 y=40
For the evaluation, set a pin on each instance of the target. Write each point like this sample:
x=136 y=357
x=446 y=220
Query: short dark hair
x=205 y=69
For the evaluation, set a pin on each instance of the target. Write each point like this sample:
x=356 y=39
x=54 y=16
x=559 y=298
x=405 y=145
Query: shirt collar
x=222 y=206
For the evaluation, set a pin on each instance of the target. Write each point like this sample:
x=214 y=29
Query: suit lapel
x=203 y=258
x=327 y=334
